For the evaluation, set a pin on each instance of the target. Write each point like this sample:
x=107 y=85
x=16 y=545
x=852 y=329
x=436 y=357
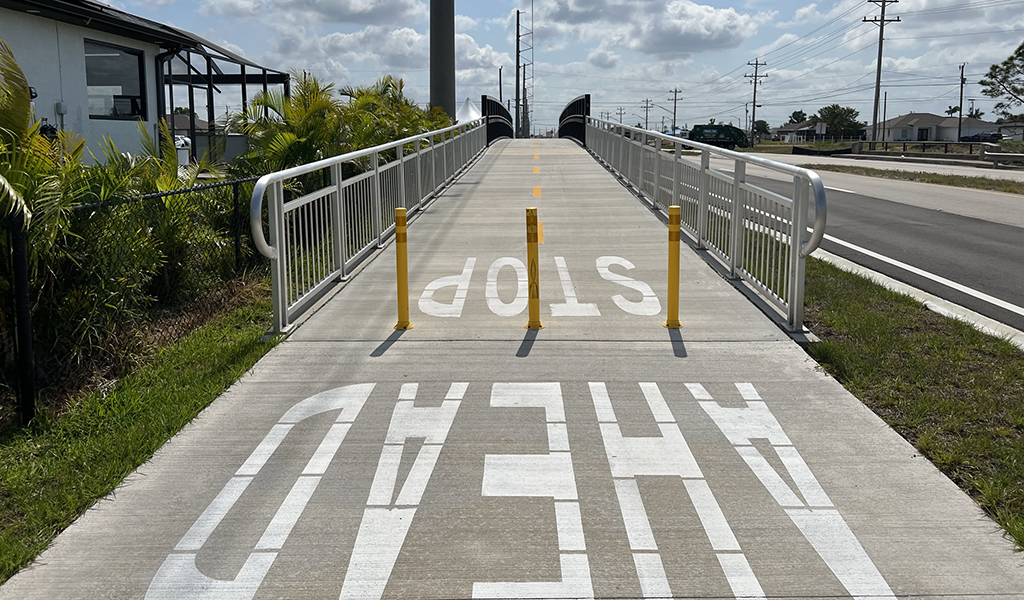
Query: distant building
x=928 y=127
x=793 y=133
x=98 y=71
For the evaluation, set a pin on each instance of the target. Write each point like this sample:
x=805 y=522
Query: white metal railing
x=317 y=236
x=761 y=236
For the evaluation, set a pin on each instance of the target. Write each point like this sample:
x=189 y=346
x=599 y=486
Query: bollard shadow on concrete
x=678 y=347
x=527 y=345
x=386 y=344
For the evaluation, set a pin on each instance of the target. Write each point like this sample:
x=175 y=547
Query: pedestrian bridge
x=603 y=456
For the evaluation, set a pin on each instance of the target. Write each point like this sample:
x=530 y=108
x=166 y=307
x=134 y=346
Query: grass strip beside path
x=953 y=392
x=1008 y=186
x=55 y=470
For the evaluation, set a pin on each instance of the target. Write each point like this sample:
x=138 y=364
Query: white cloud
x=464 y=23
x=361 y=12
x=603 y=59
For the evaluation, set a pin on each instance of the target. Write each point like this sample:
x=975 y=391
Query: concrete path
x=601 y=457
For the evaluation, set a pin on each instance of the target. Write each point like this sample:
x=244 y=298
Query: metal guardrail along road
x=759 y=235
x=321 y=235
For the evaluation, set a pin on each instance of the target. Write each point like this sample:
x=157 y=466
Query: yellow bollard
x=673 y=268
x=533 y=268
x=402 y=264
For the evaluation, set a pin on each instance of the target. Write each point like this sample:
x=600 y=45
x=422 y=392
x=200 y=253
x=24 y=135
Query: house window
x=114 y=79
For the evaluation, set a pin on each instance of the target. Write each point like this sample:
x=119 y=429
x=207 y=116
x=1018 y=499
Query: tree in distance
x=952 y=110
x=761 y=128
x=798 y=116
x=839 y=120
x=975 y=113
x=1005 y=81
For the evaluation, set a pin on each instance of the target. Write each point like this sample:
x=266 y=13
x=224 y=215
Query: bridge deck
x=470 y=458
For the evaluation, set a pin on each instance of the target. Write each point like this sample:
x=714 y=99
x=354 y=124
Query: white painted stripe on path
x=214 y=514
x=634 y=515
x=741 y=577
x=653 y=581
x=936 y=278
x=288 y=514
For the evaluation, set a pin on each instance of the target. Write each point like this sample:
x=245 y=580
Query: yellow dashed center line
x=536 y=169
x=536 y=191
x=536 y=157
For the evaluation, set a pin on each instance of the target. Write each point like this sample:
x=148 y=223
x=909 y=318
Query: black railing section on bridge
x=573 y=121
x=498 y=119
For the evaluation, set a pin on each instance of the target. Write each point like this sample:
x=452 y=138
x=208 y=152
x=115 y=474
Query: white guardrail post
x=796 y=257
x=737 y=221
x=772 y=219
x=322 y=218
x=338 y=221
x=279 y=268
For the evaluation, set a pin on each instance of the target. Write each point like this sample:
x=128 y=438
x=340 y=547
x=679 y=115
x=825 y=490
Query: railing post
x=736 y=221
x=433 y=166
x=705 y=193
x=675 y=173
x=279 y=264
x=419 y=174
x=629 y=152
x=378 y=221
x=641 y=172
x=400 y=151
x=338 y=221
x=657 y=170
x=26 y=376
x=797 y=263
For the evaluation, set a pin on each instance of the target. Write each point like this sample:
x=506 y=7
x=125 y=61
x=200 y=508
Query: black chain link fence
x=124 y=276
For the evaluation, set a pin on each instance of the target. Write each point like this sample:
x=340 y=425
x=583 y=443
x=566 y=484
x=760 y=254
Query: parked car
x=984 y=136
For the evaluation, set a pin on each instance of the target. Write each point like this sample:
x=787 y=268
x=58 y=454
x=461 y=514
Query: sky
x=624 y=52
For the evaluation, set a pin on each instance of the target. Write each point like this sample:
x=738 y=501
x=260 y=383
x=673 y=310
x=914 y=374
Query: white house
x=1013 y=130
x=98 y=71
x=928 y=127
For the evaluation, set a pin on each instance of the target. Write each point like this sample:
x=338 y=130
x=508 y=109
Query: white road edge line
x=835 y=189
x=936 y=278
x=932 y=302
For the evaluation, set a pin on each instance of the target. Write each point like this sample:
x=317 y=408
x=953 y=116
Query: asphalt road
x=979 y=253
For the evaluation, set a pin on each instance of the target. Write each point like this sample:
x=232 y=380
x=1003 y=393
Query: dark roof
x=808 y=124
x=101 y=17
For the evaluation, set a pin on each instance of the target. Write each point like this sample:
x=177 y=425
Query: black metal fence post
x=236 y=226
x=26 y=384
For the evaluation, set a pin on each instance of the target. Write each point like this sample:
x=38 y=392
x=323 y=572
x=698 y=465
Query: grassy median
x=1008 y=186
x=953 y=392
x=53 y=471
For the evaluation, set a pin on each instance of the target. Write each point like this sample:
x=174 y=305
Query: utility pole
x=621 y=111
x=757 y=64
x=880 y=21
x=960 y=122
x=500 y=100
x=647 y=112
x=517 y=76
x=675 y=102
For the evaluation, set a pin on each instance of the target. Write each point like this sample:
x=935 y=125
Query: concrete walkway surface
x=601 y=457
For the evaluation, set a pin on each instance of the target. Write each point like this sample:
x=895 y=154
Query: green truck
x=724 y=136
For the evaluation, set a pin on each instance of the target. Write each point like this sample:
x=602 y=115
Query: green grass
x=953 y=392
x=53 y=471
x=964 y=181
